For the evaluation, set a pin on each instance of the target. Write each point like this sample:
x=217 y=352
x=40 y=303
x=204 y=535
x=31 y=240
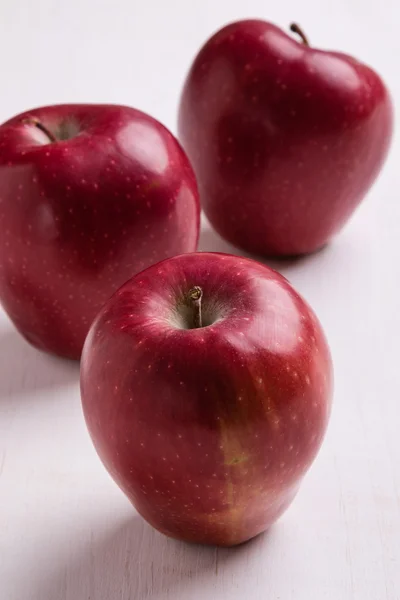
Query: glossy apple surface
x=89 y=196
x=285 y=140
x=208 y=430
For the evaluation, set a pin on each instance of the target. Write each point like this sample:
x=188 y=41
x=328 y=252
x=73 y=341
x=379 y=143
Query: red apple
x=207 y=424
x=89 y=196
x=285 y=140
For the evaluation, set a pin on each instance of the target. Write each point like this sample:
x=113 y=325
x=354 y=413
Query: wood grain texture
x=66 y=531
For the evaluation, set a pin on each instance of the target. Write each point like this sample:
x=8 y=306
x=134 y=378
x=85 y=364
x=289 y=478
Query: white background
x=66 y=531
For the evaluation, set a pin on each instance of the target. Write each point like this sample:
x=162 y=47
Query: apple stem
x=195 y=297
x=36 y=123
x=297 y=29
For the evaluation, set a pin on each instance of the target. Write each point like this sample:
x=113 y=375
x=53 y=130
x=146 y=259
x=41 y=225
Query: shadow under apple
x=210 y=241
x=135 y=562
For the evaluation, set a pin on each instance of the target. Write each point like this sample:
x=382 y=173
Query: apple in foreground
x=89 y=196
x=285 y=140
x=206 y=387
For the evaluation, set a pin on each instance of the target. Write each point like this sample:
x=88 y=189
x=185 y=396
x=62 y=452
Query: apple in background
x=206 y=387
x=285 y=140
x=89 y=196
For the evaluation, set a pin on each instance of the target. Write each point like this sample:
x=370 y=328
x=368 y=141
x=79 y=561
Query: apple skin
x=208 y=431
x=285 y=140
x=82 y=215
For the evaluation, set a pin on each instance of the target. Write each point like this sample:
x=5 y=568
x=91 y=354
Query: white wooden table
x=66 y=531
